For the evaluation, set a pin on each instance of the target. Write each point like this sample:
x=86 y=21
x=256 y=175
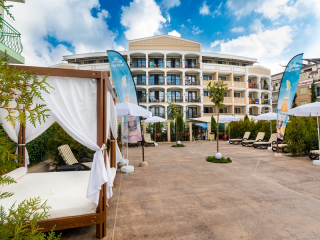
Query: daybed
x=262 y=145
x=236 y=141
x=249 y=143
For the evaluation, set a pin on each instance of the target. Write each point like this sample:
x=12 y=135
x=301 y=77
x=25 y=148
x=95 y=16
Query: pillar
x=190 y=131
x=168 y=132
x=144 y=128
x=208 y=130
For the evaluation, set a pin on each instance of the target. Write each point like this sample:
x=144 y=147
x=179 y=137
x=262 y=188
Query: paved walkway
x=181 y=196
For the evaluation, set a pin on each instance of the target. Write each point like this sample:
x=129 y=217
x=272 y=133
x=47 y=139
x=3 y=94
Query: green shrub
x=180 y=127
x=178 y=145
x=213 y=125
x=213 y=159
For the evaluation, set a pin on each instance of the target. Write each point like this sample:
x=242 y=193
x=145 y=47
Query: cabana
x=83 y=105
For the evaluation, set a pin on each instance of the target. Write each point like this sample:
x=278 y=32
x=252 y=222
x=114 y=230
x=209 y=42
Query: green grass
x=178 y=145
x=213 y=159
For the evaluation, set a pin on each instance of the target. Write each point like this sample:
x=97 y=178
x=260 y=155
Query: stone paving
x=181 y=196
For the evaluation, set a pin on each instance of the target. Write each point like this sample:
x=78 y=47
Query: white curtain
x=73 y=104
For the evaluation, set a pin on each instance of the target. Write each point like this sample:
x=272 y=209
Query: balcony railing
x=254 y=101
x=175 y=65
x=10 y=37
x=153 y=82
x=141 y=82
x=137 y=65
x=265 y=87
x=160 y=99
x=253 y=85
x=191 y=82
x=174 y=82
x=193 y=99
x=142 y=100
x=175 y=99
x=153 y=65
x=191 y=115
x=197 y=65
x=158 y=114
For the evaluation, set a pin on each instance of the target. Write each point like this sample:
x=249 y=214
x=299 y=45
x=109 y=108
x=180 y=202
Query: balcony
x=173 y=82
x=10 y=41
x=141 y=82
x=189 y=115
x=191 y=82
x=197 y=65
x=176 y=64
x=254 y=100
x=156 y=100
x=175 y=99
x=253 y=85
x=193 y=99
x=154 y=65
x=265 y=101
x=156 y=82
x=142 y=100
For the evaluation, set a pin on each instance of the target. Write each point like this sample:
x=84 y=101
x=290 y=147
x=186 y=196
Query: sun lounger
x=133 y=144
x=249 y=143
x=69 y=158
x=262 y=145
x=147 y=139
x=314 y=154
x=281 y=145
x=239 y=140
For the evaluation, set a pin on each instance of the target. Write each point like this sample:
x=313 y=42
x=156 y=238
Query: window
x=223 y=110
x=76 y=62
x=208 y=109
x=89 y=61
x=156 y=62
x=191 y=80
x=250 y=95
x=190 y=63
x=237 y=94
x=222 y=78
x=205 y=94
x=225 y=94
x=207 y=61
x=250 y=111
x=303 y=90
x=318 y=92
x=103 y=60
x=237 y=110
x=236 y=79
x=173 y=79
x=207 y=77
x=174 y=96
x=156 y=79
x=234 y=63
x=303 y=102
x=138 y=62
x=220 y=62
x=140 y=79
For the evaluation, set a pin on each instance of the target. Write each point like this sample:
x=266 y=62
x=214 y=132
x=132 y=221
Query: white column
x=147 y=63
x=165 y=95
x=165 y=61
x=200 y=80
x=259 y=82
x=147 y=78
x=165 y=112
x=201 y=110
x=183 y=78
x=184 y=109
x=201 y=95
x=129 y=60
x=183 y=95
x=165 y=78
x=182 y=62
x=259 y=97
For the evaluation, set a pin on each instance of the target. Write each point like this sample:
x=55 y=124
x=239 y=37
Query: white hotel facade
x=172 y=69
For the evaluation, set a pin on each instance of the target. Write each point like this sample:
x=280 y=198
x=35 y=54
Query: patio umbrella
x=311 y=109
x=267 y=116
x=155 y=119
x=229 y=119
x=130 y=109
x=124 y=109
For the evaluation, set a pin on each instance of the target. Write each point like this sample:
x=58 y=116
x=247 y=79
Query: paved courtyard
x=181 y=196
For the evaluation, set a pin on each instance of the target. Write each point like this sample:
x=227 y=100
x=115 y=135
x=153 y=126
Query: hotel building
x=171 y=69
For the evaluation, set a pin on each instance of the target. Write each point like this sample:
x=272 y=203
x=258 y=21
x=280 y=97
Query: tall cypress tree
x=313 y=93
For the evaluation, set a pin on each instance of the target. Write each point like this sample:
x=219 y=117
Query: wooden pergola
x=103 y=85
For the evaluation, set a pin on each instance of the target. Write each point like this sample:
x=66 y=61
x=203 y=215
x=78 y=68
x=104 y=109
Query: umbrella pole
x=229 y=130
x=318 y=133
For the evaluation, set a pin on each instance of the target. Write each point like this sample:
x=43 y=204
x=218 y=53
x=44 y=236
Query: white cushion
x=16 y=174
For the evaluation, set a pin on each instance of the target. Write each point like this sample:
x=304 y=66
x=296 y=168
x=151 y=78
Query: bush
x=178 y=145
x=301 y=135
x=213 y=125
x=60 y=137
x=180 y=127
x=213 y=159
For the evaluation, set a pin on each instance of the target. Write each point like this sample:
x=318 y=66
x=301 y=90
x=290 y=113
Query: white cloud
x=174 y=33
x=237 y=29
x=196 y=30
x=167 y=4
x=275 y=9
x=142 y=18
x=256 y=26
x=216 y=43
x=267 y=44
x=204 y=10
x=68 y=23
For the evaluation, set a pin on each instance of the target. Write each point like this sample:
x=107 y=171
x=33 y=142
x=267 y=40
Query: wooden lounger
x=239 y=140
x=262 y=145
x=249 y=143
x=147 y=139
x=69 y=158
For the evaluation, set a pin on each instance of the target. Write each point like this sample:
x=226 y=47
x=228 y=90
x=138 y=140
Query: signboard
x=288 y=87
x=306 y=82
x=126 y=92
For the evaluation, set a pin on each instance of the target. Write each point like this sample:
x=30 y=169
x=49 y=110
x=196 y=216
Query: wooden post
x=168 y=132
x=112 y=152
x=21 y=144
x=190 y=131
x=101 y=228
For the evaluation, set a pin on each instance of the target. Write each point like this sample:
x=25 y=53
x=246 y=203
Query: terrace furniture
x=74 y=167
x=249 y=143
x=236 y=141
x=262 y=145
x=69 y=158
x=133 y=143
x=281 y=146
x=314 y=154
x=147 y=139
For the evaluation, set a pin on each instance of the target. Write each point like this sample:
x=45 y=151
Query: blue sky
x=273 y=31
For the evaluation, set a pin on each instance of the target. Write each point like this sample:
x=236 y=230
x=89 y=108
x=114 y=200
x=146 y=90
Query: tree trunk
x=175 y=123
x=218 y=132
